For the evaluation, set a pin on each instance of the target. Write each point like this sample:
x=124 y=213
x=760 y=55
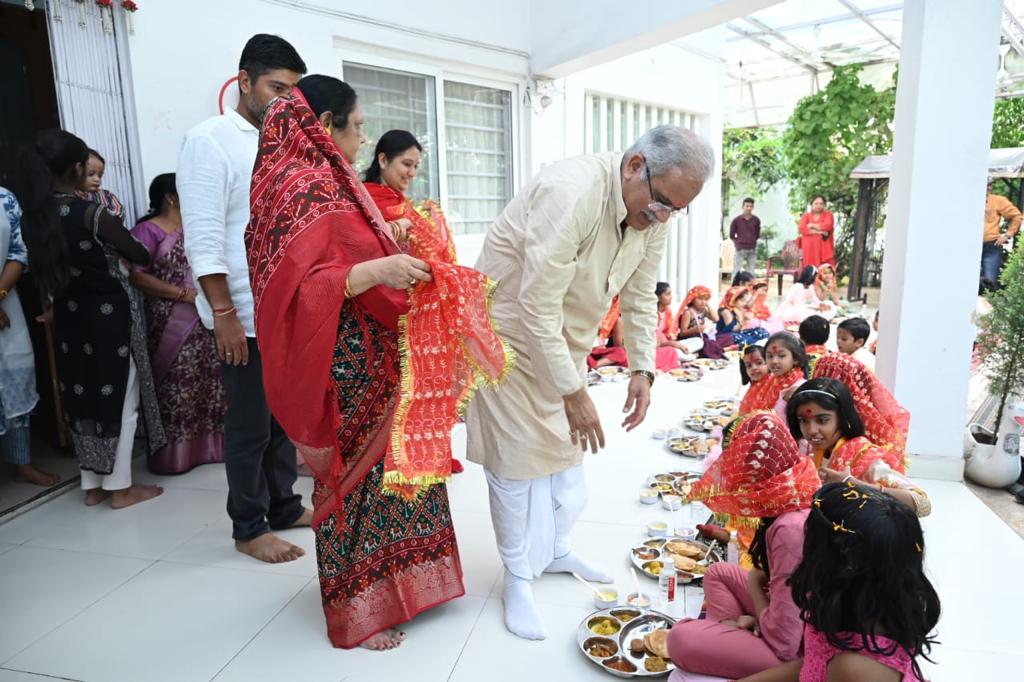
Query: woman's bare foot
x=305 y=520
x=30 y=474
x=382 y=641
x=95 y=496
x=271 y=549
x=134 y=495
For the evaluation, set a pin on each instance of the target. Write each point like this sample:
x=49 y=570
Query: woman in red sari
x=817 y=238
x=338 y=308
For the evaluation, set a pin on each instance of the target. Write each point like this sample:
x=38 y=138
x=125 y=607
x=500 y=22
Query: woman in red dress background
x=817 y=238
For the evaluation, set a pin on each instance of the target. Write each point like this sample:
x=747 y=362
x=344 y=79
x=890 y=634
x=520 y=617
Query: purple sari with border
x=184 y=359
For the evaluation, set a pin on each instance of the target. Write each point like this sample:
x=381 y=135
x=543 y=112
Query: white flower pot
x=996 y=465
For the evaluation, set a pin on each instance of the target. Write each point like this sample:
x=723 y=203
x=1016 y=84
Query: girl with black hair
x=802 y=301
x=743 y=279
x=868 y=607
x=822 y=415
x=75 y=249
x=182 y=351
x=760 y=481
x=753 y=365
x=787 y=367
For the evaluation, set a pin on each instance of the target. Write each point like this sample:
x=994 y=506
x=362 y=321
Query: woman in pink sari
x=182 y=352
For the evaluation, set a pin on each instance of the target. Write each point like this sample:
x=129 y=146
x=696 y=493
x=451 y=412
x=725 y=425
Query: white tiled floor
x=156 y=592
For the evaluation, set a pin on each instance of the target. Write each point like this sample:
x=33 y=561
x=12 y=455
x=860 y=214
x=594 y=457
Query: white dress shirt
x=214 y=175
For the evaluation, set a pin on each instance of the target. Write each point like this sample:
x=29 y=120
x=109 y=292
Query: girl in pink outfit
x=802 y=301
x=752 y=624
x=868 y=607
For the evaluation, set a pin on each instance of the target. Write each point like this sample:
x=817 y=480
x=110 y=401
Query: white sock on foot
x=521 y=616
x=573 y=563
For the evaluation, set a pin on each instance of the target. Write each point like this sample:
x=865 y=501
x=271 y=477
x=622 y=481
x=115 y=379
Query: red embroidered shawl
x=449 y=348
x=760 y=473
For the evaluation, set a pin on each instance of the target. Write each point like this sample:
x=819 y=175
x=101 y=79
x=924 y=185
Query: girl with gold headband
x=822 y=414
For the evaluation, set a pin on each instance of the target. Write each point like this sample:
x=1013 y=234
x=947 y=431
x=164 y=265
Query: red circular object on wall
x=223 y=89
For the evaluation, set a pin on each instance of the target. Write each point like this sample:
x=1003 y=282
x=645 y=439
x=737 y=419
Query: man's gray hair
x=667 y=146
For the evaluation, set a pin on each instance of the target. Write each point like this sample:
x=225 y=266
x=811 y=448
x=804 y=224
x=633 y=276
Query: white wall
x=184 y=50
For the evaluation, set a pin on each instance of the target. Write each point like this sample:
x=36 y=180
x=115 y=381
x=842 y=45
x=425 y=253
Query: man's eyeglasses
x=661 y=207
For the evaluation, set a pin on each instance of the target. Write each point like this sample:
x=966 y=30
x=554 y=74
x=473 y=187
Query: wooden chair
x=787 y=262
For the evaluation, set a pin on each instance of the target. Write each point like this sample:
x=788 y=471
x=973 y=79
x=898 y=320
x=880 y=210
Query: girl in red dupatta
x=670 y=350
x=787 y=369
x=822 y=413
x=609 y=349
x=760 y=481
x=335 y=325
x=886 y=422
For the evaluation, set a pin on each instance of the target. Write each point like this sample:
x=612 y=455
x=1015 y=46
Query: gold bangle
x=225 y=313
x=348 y=290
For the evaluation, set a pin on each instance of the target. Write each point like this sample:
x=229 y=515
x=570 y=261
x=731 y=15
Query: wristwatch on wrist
x=645 y=374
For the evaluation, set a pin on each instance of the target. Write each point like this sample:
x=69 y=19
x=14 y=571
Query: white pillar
x=944 y=103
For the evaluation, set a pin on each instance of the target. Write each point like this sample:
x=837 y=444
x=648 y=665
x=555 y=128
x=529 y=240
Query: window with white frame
x=612 y=123
x=471 y=122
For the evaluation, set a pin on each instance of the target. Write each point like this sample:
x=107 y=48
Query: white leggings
x=121 y=477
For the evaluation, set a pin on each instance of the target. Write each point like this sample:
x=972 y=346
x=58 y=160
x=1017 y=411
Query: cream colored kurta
x=560 y=256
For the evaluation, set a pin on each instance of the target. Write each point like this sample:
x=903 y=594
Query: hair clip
x=820 y=392
x=918 y=547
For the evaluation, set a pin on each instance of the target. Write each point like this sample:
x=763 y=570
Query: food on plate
x=664 y=478
x=653 y=567
x=662 y=487
x=639 y=600
x=620 y=664
x=646 y=553
x=657 y=642
x=684 y=563
x=637 y=648
x=603 y=625
x=655 y=664
x=599 y=647
x=657 y=544
x=625 y=615
x=610 y=371
x=699 y=569
x=685 y=548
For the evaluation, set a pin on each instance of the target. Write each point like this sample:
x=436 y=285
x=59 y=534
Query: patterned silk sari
x=338 y=370
x=184 y=359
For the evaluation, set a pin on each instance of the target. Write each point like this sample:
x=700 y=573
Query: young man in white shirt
x=214 y=174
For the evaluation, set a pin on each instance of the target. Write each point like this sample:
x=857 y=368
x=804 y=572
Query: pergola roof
x=780 y=54
x=1002 y=163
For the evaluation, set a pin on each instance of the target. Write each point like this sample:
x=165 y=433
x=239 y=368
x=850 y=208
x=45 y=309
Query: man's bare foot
x=271 y=549
x=382 y=641
x=30 y=474
x=134 y=495
x=305 y=520
x=95 y=496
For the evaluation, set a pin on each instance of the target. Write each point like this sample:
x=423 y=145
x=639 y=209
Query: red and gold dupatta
x=764 y=394
x=450 y=347
x=760 y=473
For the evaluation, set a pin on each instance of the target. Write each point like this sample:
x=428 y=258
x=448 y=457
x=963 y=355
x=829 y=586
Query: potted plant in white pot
x=995 y=459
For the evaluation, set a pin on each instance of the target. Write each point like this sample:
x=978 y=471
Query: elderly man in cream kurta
x=583 y=231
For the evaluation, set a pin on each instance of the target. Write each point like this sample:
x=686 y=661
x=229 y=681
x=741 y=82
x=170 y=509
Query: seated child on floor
x=852 y=338
x=735 y=318
x=787 y=367
x=609 y=350
x=821 y=414
x=868 y=607
x=761 y=480
x=814 y=332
